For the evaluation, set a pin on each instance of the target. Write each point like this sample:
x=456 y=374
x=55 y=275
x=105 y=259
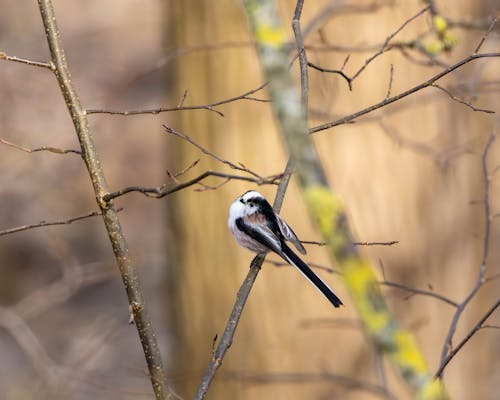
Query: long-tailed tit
x=256 y=226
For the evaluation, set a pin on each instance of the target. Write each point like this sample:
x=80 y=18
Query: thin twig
x=490 y=28
x=299 y=43
x=391 y=77
x=44 y=148
x=390 y=243
x=387 y=41
x=51 y=223
x=209 y=107
x=239 y=167
x=32 y=63
x=461 y=101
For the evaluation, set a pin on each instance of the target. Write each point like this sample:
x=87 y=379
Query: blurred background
x=410 y=172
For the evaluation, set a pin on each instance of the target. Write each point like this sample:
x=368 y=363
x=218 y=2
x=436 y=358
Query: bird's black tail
x=293 y=259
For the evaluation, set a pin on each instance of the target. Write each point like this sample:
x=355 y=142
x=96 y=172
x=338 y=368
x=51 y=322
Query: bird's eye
x=242 y=201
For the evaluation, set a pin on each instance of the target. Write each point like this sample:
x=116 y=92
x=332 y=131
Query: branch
x=44 y=148
x=241 y=299
x=387 y=101
x=51 y=223
x=419 y=292
x=32 y=63
x=387 y=41
x=112 y=223
x=458 y=100
x=244 y=292
x=392 y=242
x=445 y=352
x=239 y=167
x=385 y=47
x=472 y=332
x=159 y=192
x=209 y=107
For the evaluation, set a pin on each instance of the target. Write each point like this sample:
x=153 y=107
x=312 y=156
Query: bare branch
x=333 y=71
x=385 y=47
x=299 y=43
x=392 y=242
x=490 y=28
x=181 y=107
x=239 y=167
x=387 y=101
x=389 y=86
x=421 y=292
x=44 y=148
x=447 y=346
x=32 y=63
x=51 y=223
x=387 y=41
x=457 y=99
x=472 y=332
x=241 y=298
x=112 y=223
x=165 y=190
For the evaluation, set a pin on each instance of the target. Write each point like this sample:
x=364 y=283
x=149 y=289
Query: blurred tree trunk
x=392 y=192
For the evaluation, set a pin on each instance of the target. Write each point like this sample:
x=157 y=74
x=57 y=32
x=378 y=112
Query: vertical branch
x=89 y=154
x=299 y=42
x=326 y=208
x=241 y=299
x=447 y=348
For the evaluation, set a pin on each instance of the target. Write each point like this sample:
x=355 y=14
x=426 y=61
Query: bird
x=258 y=228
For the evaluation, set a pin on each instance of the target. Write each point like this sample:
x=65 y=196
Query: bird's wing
x=255 y=226
x=290 y=235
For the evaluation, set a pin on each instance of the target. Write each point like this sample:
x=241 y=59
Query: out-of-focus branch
x=447 y=346
x=109 y=213
x=14 y=319
x=400 y=286
x=421 y=292
x=326 y=208
x=20 y=331
x=311 y=377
